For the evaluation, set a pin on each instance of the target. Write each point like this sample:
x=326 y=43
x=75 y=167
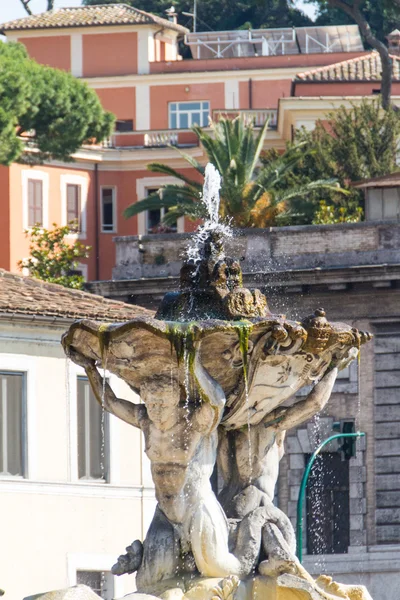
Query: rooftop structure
x=274 y=42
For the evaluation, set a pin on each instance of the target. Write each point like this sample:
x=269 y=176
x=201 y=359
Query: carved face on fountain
x=161 y=397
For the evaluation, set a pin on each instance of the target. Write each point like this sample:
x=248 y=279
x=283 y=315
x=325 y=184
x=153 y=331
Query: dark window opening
x=124 y=125
x=107 y=209
x=327 y=502
x=154 y=218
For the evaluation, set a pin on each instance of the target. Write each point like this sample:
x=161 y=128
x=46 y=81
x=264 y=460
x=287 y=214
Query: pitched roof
x=363 y=68
x=90 y=16
x=390 y=180
x=30 y=297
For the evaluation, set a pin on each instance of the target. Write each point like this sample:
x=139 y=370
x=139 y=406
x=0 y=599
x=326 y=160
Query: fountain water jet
x=214 y=368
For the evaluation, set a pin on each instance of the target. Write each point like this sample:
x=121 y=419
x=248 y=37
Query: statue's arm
x=305 y=409
x=123 y=409
x=212 y=396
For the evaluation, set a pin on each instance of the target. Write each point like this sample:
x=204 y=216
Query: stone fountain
x=217 y=374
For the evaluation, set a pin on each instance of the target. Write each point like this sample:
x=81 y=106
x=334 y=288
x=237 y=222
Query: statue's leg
x=209 y=536
x=244 y=502
x=276 y=516
x=161 y=553
x=280 y=557
x=209 y=533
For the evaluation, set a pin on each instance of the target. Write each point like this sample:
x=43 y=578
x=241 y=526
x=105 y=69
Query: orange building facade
x=131 y=59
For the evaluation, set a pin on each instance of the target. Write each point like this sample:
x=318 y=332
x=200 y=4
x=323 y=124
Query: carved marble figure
x=181 y=443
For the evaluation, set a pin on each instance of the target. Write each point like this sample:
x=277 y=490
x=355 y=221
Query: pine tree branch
x=355 y=13
x=25 y=4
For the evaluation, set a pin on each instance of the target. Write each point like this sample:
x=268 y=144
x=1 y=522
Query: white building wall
x=51 y=523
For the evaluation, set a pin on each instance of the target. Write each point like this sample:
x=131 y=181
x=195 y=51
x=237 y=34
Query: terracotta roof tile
x=363 y=68
x=90 y=16
x=27 y=296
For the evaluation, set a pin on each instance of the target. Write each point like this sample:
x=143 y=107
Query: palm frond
x=166 y=170
x=167 y=197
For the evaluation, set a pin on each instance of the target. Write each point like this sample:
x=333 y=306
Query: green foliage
x=52 y=258
x=328 y=214
x=62 y=111
x=360 y=143
x=250 y=196
x=352 y=144
x=382 y=15
x=229 y=15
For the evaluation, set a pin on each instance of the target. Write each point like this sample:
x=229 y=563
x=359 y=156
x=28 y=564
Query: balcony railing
x=256 y=116
x=155 y=139
x=152 y=139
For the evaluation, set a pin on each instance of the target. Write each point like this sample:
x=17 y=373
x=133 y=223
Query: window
x=183 y=115
x=328 y=525
x=108 y=216
x=100 y=582
x=93 y=427
x=123 y=125
x=74 y=194
x=35 y=202
x=12 y=423
x=155 y=216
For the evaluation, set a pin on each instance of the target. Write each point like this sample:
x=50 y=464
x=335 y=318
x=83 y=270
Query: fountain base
x=285 y=586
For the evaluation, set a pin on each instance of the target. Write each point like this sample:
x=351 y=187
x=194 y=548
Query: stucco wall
x=53 y=524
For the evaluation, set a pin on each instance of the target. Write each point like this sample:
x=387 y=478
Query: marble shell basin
x=260 y=363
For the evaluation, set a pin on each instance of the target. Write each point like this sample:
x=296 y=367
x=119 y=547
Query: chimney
x=173 y=17
x=394 y=42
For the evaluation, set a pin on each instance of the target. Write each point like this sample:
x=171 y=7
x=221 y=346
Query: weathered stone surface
x=306 y=246
x=387 y=362
x=387 y=379
x=387 y=413
x=387 y=396
x=387 y=464
x=388 y=499
x=387 y=516
x=78 y=592
x=387 y=447
x=385 y=483
x=388 y=534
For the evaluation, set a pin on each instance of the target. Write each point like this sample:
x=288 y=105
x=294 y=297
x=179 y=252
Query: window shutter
x=74 y=205
x=12 y=434
x=35 y=202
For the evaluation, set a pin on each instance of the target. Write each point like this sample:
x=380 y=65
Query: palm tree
x=250 y=196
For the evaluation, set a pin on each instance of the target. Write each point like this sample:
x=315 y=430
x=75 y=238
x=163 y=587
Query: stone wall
x=276 y=249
